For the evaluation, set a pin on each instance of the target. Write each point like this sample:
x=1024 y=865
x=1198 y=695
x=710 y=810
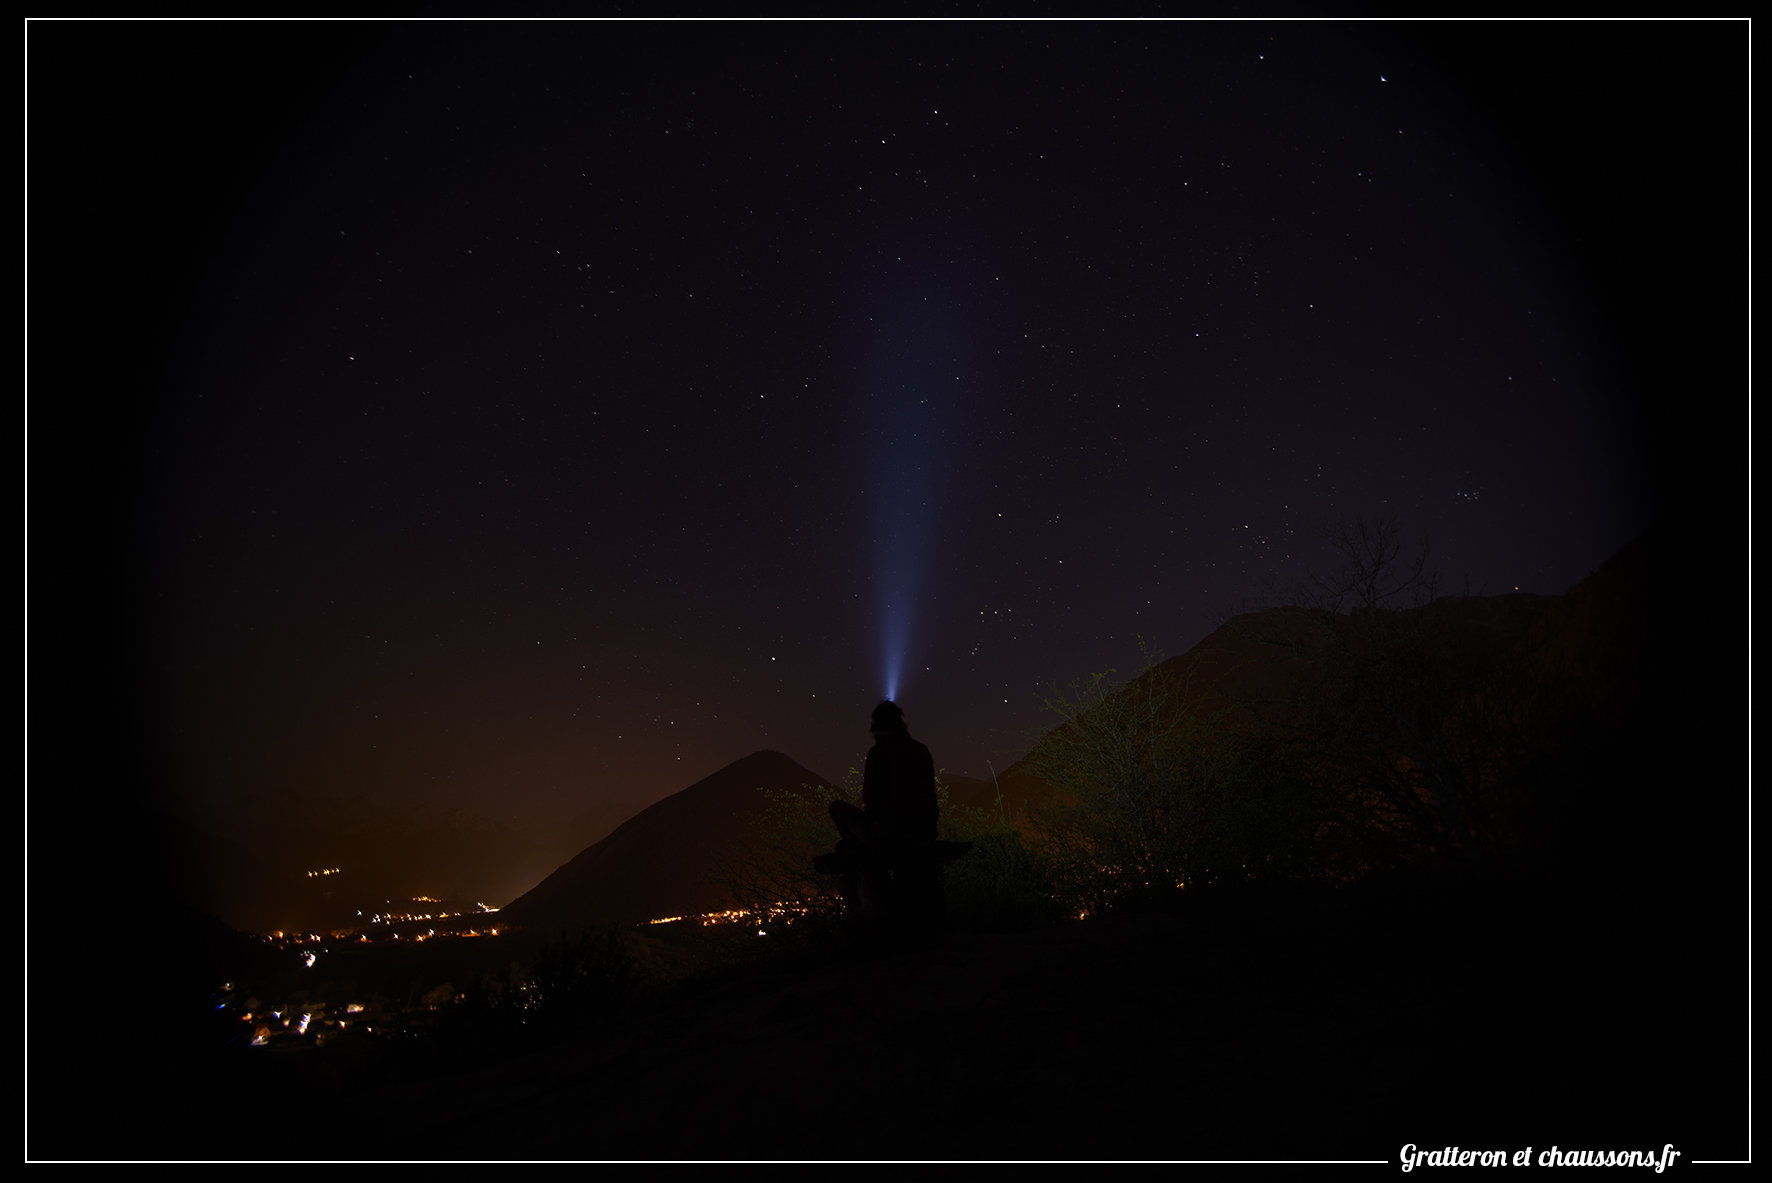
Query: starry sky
x=510 y=417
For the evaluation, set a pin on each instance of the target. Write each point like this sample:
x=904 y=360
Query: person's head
x=888 y=719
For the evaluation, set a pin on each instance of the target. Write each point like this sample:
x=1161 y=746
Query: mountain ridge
x=660 y=862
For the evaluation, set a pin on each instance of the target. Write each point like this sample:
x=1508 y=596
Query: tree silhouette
x=1404 y=712
x=1161 y=785
x=1377 y=568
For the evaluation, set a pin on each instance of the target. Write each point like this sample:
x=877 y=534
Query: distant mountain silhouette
x=660 y=862
x=1245 y=660
x=381 y=854
x=1244 y=667
x=1607 y=660
x=561 y=841
x=1016 y=789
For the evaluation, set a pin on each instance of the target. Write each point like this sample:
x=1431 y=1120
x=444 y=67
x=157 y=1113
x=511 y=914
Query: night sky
x=511 y=417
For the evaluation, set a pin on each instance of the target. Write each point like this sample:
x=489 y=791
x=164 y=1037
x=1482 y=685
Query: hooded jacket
x=898 y=787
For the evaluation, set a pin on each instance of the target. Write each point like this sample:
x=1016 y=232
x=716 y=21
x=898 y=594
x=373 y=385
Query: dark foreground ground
x=1248 y=1028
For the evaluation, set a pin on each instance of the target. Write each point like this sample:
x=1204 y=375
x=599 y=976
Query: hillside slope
x=661 y=861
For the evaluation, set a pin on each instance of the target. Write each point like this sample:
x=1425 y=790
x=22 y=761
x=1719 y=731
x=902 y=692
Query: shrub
x=1001 y=884
x=1156 y=793
x=770 y=876
x=573 y=987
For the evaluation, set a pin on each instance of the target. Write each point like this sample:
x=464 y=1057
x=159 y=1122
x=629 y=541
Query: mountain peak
x=661 y=861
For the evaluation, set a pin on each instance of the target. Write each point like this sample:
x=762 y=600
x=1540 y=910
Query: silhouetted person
x=893 y=834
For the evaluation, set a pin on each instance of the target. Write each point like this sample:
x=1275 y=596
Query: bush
x=770 y=876
x=1001 y=884
x=1156 y=793
x=572 y=988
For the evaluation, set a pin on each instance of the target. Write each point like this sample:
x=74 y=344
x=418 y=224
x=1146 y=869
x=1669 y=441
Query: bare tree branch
x=1375 y=572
